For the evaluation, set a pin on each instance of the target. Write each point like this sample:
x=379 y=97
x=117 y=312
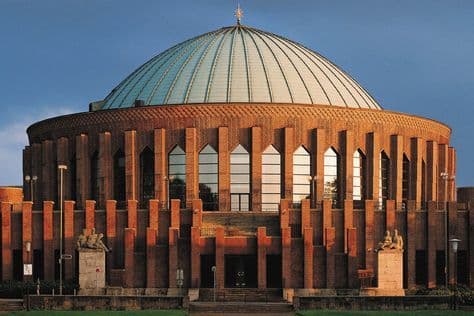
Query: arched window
x=239 y=179
x=405 y=179
x=301 y=175
x=72 y=178
x=384 y=176
x=271 y=179
x=331 y=176
x=177 y=175
x=147 y=176
x=358 y=181
x=94 y=177
x=119 y=176
x=209 y=178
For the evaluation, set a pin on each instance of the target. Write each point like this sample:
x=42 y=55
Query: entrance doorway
x=241 y=271
x=274 y=271
x=207 y=276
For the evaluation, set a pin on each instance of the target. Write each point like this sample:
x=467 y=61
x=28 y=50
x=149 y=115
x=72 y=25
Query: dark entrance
x=241 y=271
x=207 y=276
x=274 y=271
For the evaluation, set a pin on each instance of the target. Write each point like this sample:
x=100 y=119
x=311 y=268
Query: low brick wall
x=373 y=302
x=84 y=302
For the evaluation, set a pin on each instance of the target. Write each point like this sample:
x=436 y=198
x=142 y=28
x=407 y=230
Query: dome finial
x=239 y=13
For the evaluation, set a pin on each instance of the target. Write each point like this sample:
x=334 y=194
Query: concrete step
x=242 y=295
x=240 y=307
x=10 y=305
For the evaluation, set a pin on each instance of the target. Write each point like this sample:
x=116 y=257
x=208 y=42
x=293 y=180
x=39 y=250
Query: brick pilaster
x=27 y=170
x=7 y=265
x=348 y=221
x=416 y=170
x=369 y=235
x=90 y=214
x=289 y=149
x=132 y=214
x=150 y=257
x=432 y=172
x=36 y=171
x=320 y=144
x=396 y=171
x=308 y=257
x=48 y=243
x=62 y=155
x=442 y=167
x=286 y=257
x=111 y=231
x=452 y=173
x=160 y=164
x=82 y=169
x=390 y=215
x=330 y=236
x=262 y=257
x=327 y=217
x=224 y=169
x=173 y=258
x=48 y=174
x=305 y=215
x=105 y=169
x=348 y=163
x=131 y=165
x=431 y=247
x=192 y=181
x=69 y=239
x=285 y=213
x=452 y=229
x=197 y=213
x=410 y=245
x=129 y=251
x=256 y=165
x=27 y=233
x=195 y=257
x=153 y=206
x=373 y=164
x=175 y=213
x=220 y=261
x=352 y=260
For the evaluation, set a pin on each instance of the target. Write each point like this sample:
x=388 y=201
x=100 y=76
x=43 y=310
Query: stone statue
x=91 y=241
x=397 y=241
x=387 y=241
x=391 y=243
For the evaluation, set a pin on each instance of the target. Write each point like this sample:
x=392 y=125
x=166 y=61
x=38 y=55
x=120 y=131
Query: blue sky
x=57 y=56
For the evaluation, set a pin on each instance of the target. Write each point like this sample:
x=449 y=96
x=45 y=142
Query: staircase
x=249 y=308
x=241 y=295
x=10 y=305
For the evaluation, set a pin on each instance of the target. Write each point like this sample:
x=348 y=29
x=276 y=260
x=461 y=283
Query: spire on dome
x=239 y=13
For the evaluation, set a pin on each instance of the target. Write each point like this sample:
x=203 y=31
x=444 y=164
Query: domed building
x=241 y=150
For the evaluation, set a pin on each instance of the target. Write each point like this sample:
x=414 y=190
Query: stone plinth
x=91 y=269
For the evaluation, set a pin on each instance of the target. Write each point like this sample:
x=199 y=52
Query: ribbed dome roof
x=239 y=64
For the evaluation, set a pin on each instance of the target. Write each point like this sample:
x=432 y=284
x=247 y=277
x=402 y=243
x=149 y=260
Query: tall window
x=239 y=179
x=147 y=168
x=301 y=175
x=271 y=179
x=331 y=176
x=384 y=176
x=177 y=175
x=119 y=176
x=94 y=178
x=406 y=179
x=209 y=178
x=358 y=181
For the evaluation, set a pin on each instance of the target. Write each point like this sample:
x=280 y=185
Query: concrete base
x=288 y=295
x=193 y=295
x=374 y=291
x=91 y=269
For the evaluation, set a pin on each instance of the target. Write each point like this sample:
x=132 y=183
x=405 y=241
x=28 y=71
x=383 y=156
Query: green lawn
x=102 y=313
x=384 y=313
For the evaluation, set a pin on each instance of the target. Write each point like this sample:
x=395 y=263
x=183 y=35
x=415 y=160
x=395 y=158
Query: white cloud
x=13 y=139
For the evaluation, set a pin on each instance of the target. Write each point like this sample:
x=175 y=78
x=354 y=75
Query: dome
x=239 y=64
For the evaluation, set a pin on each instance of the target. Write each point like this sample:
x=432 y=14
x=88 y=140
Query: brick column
x=348 y=221
x=431 y=247
x=69 y=239
x=82 y=170
x=330 y=236
x=36 y=171
x=396 y=171
x=153 y=206
x=471 y=243
x=442 y=167
x=410 y=245
x=373 y=166
x=197 y=213
x=369 y=235
x=105 y=168
x=150 y=257
x=416 y=170
x=327 y=217
x=256 y=165
x=175 y=214
x=132 y=214
x=47 y=182
x=305 y=215
x=48 y=243
x=320 y=143
x=7 y=266
x=90 y=214
x=262 y=257
x=131 y=165
x=289 y=149
x=432 y=172
x=111 y=232
x=352 y=260
x=62 y=155
x=129 y=251
x=195 y=257
x=173 y=258
x=452 y=229
x=192 y=184
x=348 y=163
x=27 y=234
x=220 y=256
x=285 y=213
x=160 y=164
x=308 y=257
x=27 y=170
x=224 y=170
x=452 y=173
x=286 y=257
x=390 y=215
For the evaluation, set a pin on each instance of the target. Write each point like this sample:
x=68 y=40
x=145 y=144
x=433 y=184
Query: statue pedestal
x=389 y=274
x=91 y=269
